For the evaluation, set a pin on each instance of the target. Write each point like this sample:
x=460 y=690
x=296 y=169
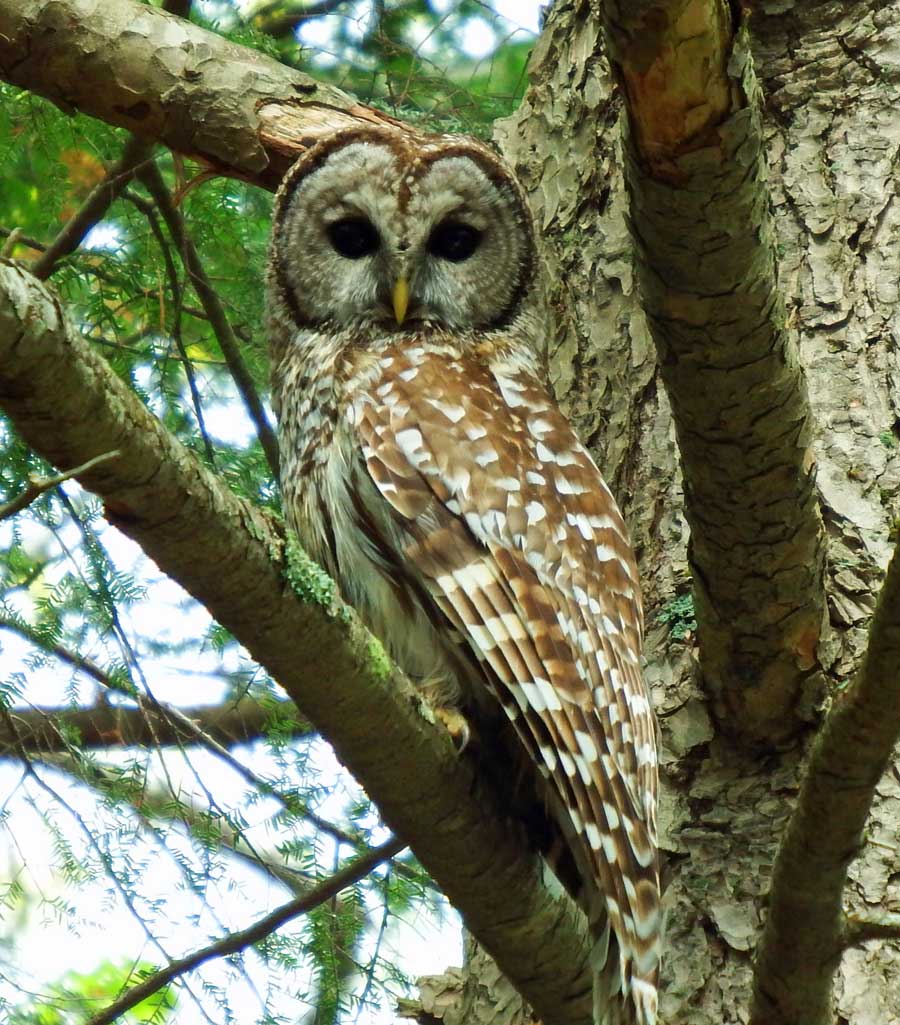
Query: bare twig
x=39 y=485
x=94 y=207
x=356 y=870
x=149 y=211
x=212 y=305
x=24 y=240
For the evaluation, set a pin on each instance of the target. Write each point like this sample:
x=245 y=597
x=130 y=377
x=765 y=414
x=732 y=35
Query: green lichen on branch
x=314 y=586
x=308 y=580
x=380 y=661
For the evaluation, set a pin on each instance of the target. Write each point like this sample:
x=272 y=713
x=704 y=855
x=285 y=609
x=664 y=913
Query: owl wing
x=513 y=531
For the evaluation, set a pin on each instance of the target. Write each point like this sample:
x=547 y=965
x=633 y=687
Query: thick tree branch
x=239 y=112
x=706 y=258
x=69 y=406
x=805 y=932
x=238 y=941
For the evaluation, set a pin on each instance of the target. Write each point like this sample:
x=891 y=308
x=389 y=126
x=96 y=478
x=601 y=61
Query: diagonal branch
x=231 y=556
x=212 y=306
x=859 y=929
x=234 y=109
x=705 y=250
x=238 y=941
x=37 y=486
x=101 y=198
x=805 y=932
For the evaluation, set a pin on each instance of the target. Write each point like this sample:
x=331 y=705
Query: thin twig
x=90 y=838
x=94 y=207
x=39 y=485
x=182 y=723
x=209 y=299
x=149 y=211
x=238 y=941
x=373 y=963
x=23 y=240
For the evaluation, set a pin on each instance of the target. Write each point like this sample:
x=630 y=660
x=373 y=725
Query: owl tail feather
x=618 y=1000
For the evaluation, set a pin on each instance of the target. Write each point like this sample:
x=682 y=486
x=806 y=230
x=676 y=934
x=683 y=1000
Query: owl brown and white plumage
x=426 y=465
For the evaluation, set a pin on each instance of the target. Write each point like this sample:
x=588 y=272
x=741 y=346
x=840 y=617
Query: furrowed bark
x=69 y=406
x=704 y=243
x=236 y=110
x=805 y=932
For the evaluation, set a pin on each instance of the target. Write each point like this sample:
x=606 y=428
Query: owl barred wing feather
x=424 y=464
x=520 y=543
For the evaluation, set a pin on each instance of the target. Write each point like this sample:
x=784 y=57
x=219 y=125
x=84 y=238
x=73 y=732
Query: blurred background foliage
x=154 y=850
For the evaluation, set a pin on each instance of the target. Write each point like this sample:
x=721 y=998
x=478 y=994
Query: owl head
x=376 y=227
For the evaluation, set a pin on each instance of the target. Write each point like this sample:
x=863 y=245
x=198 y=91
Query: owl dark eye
x=454 y=241
x=353 y=237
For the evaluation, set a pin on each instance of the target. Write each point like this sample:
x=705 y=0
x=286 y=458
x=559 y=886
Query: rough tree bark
x=829 y=76
x=830 y=126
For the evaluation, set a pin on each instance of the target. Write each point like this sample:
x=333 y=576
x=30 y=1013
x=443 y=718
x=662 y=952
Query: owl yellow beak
x=400 y=298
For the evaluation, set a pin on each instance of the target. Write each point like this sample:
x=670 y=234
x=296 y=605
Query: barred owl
x=427 y=467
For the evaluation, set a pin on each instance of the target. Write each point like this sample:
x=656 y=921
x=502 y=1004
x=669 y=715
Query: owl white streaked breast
x=426 y=465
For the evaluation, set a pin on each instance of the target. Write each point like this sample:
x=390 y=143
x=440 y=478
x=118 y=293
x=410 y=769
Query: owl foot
x=456 y=725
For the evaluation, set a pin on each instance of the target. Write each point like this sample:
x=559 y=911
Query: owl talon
x=456 y=725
